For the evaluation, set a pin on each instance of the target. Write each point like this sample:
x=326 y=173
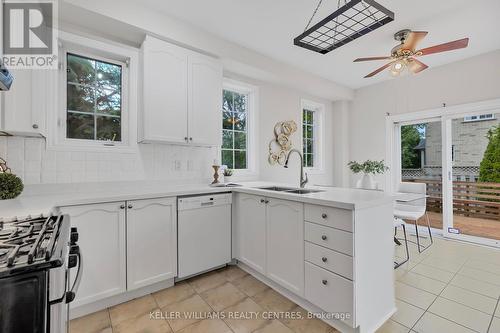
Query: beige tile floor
x=225 y=290
x=452 y=287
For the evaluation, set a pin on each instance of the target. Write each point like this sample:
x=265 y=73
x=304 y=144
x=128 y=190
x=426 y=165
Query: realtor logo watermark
x=29 y=34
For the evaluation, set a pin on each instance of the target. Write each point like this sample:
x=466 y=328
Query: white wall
x=471 y=80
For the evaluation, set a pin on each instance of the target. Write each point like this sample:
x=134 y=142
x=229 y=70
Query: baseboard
x=86 y=309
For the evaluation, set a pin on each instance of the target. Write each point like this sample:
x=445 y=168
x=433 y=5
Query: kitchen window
x=239 y=137
x=234 y=129
x=312 y=116
x=93 y=99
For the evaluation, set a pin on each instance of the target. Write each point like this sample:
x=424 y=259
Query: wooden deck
x=476 y=207
x=467 y=225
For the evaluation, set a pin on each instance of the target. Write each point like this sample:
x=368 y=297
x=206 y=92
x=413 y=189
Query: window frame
x=318 y=134
x=251 y=92
x=101 y=50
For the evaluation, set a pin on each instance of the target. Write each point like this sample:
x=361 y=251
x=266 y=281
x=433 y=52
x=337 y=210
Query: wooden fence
x=479 y=200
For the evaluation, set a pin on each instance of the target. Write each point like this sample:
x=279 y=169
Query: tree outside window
x=94 y=99
x=308 y=136
x=234 y=129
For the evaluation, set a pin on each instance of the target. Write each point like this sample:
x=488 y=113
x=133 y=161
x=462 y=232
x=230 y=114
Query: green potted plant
x=10 y=186
x=228 y=173
x=369 y=169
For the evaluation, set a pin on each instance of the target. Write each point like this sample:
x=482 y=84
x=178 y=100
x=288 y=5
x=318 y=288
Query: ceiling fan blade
x=457 y=44
x=416 y=66
x=375 y=72
x=372 y=58
x=413 y=39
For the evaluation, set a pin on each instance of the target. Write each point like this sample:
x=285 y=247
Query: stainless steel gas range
x=36 y=255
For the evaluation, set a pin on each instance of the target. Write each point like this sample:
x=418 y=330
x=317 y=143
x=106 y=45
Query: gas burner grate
x=353 y=20
x=29 y=240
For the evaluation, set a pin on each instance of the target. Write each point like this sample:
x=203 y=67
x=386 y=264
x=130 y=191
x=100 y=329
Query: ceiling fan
x=404 y=55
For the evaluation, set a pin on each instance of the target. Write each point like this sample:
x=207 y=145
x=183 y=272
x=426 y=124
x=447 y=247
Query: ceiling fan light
x=397 y=68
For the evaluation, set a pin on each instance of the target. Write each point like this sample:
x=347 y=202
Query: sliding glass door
x=421 y=162
x=473 y=157
x=456 y=153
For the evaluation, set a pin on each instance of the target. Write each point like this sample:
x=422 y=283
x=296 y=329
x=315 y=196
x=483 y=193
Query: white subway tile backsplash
x=30 y=160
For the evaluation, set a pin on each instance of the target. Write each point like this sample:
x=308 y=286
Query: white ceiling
x=269 y=26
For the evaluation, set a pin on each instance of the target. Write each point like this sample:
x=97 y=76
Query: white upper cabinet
x=22 y=112
x=181 y=96
x=151 y=241
x=205 y=100
x=165 y=104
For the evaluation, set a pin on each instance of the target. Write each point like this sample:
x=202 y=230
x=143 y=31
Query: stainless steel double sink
x=289 y=190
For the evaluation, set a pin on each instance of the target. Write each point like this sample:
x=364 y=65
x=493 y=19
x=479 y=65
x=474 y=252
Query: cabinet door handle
x=191 y=139
x=324 y=259
x=185 y=138
x=324 y=215
x=267 y=201
x=130 y=206
x=325 y=282
x=35 y=126
x=324 y=237
x=122 y=206
x=262 y=201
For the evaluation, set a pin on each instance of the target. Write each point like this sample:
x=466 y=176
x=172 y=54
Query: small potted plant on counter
x=228 y=173
x=369 y=169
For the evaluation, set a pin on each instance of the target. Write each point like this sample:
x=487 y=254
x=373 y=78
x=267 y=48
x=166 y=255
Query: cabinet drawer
x=329 y=216
x=333 y=261
x=333 y=239
x=332 y=293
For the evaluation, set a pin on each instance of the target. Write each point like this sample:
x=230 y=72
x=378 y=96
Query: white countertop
x=42 y=199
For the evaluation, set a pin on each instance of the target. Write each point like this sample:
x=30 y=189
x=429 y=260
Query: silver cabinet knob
x=324 y=237
x=130 y=206
x=262 y=201
x=324 y=259
x=35 y=126
x=122 y=206
x=324 y=215
x=185 y=138
x=191 y=139
x=325 y=282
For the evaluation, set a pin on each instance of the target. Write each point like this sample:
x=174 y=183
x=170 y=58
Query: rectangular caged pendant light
x=353 y=20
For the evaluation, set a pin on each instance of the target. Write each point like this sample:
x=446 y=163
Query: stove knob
x=72 y=260
x=74 y=237
x=74 y=249
x=70 y=296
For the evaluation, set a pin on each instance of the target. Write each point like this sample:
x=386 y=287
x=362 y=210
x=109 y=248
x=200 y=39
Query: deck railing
x=480 y=200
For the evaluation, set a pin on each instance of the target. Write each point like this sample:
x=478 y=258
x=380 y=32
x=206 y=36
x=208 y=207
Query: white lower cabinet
x=270 y=238
x=285 y=239
x=125 y=246
x=250 y=225
x=330 y=292
x=151 y=241
x=101 y=229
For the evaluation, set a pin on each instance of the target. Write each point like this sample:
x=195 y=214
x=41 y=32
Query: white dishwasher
x=204 y=233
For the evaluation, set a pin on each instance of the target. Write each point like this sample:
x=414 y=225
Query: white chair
x=398 y=223
x=414 y=210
